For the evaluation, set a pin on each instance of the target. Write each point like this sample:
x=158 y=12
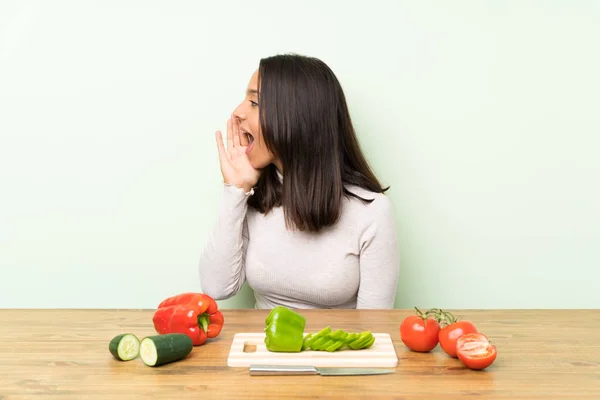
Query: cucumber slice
x=162 y=349
x=124 y=347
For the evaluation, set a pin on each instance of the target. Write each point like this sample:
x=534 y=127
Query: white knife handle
x=283 y=370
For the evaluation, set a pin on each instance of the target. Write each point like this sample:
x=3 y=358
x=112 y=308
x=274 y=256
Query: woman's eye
x=254 y=104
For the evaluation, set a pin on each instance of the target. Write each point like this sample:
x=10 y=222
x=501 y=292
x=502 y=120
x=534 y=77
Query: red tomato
x=475 y=350
x=450 y=334
x=419 y=333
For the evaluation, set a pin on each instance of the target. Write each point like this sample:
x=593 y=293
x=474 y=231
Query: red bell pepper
x=193 y=314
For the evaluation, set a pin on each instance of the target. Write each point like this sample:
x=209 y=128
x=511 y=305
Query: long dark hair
x=305 y=122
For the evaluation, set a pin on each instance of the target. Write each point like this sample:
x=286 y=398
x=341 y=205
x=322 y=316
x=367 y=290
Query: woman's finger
x=243 y=137
x=221 y=146
x=236 y=132
x=229 y=137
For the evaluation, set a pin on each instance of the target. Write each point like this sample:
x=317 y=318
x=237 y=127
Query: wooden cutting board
x=249 y=348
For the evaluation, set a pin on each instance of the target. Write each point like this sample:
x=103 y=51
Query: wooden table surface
x=63 y=354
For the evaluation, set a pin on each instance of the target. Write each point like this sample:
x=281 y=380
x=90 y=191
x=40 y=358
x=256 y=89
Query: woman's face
x=250 y=132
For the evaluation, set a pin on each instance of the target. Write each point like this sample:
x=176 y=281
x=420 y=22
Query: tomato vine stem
x=444 y=318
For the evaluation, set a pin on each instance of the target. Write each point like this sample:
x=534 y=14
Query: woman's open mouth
x=249 y=138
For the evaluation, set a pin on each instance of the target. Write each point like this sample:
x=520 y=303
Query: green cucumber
x=162 y=349
x=124 y=347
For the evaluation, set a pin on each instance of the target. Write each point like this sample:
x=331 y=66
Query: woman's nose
x=239 y=113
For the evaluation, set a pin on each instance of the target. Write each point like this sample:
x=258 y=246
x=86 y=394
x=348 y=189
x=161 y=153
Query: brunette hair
x=305 y=122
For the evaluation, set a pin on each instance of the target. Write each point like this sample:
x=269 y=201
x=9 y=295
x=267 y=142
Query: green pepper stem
x=203 y=320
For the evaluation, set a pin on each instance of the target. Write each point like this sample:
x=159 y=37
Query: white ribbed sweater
x=353 y=264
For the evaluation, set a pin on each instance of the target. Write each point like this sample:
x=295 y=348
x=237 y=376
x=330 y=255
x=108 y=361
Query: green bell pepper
x=284 y=330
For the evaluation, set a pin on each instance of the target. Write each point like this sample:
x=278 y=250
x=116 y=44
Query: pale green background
x=483 y=116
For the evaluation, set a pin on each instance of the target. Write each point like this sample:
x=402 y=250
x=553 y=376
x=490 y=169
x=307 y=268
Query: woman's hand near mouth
x=235 y=165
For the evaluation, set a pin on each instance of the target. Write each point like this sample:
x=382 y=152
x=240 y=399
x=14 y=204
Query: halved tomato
x=475 y=350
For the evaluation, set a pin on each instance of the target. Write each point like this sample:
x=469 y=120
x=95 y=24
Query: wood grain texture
x=63 y=354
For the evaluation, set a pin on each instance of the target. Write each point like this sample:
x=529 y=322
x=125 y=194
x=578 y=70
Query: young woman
x=303 y=218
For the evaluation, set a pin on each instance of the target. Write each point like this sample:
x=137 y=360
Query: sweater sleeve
x=222 y=262
x=379 y=258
